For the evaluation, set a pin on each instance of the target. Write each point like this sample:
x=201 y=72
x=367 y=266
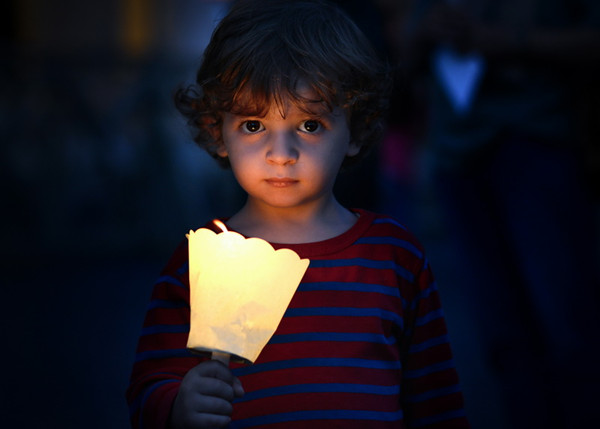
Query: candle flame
x=220 y=224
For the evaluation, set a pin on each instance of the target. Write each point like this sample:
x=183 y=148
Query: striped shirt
x=363 y=343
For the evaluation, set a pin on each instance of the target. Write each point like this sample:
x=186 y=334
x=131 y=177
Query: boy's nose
x=282 y=149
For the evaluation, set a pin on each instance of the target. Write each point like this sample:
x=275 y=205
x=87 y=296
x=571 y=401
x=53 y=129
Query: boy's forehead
x=304 y=97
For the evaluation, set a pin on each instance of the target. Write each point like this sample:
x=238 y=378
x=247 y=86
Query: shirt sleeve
x=162 y=358
x=431 y=391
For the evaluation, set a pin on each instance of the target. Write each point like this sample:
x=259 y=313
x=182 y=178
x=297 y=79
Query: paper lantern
x=239 y=290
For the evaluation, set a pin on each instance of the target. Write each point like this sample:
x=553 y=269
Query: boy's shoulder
x=386 y=229
x=388 y=224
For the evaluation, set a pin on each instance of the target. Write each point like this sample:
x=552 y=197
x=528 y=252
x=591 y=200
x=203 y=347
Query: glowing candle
x=239 y=291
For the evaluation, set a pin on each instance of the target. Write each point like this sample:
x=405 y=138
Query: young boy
x=288 y=92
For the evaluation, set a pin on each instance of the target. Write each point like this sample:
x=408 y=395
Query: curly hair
x=263 y=51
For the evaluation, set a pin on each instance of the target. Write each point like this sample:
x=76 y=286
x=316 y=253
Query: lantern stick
x=221 y=357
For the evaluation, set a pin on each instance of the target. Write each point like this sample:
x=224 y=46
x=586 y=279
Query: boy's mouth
x=281 y=182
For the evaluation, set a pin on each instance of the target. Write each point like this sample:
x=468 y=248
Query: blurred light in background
x=99 y=181
x=96 y=159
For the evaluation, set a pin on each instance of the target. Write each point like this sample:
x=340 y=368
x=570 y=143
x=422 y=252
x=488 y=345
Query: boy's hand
x=204 y=398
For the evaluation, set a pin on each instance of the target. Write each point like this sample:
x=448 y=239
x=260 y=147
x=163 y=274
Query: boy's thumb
x=238 y=390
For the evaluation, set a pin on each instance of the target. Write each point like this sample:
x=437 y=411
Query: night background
x=100 y=181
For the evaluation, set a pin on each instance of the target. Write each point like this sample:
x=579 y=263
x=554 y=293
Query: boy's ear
x=353 y=149
x=222 y=150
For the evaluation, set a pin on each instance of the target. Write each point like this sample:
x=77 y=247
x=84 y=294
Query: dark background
x=100 y=181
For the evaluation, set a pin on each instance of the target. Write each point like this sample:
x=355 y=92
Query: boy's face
x=287 y=160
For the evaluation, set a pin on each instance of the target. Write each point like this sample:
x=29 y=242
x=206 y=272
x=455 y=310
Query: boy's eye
x=310 y=126
x=252 y=126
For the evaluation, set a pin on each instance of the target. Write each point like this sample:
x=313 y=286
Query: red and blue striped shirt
x=363 y=343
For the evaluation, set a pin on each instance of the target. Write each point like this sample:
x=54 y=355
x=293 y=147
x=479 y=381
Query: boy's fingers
x=216 y=387
x=221 y=372
x=238 y=389
x=210 y=405
x=214 y=369
x=213 y=379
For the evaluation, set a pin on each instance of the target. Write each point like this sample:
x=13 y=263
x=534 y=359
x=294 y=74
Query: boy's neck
x=293 y=226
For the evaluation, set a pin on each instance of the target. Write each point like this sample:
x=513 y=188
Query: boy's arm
x=431 y=390
x=162 y=359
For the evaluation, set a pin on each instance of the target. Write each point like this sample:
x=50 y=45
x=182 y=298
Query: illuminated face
x=289 y=159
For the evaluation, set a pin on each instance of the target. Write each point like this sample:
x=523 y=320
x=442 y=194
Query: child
x=288 y=92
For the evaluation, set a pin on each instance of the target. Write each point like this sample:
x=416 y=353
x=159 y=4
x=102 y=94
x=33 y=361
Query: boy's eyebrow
x=313 y=108
x=316 y=108
x=323 y=114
